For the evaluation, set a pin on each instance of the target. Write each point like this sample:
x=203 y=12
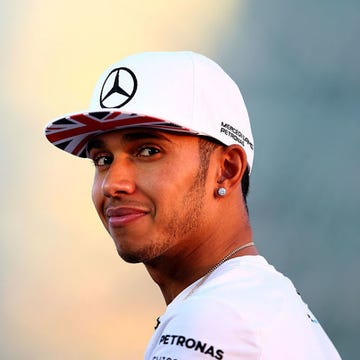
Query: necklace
x=206 y=276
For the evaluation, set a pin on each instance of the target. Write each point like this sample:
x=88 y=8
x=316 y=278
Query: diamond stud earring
x=221 y=191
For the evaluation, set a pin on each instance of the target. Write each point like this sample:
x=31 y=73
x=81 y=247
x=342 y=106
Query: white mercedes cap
x=173 y=91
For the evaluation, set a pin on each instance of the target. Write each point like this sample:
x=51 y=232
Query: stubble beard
x=179 y=225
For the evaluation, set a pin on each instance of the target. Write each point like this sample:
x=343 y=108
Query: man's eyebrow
x=94 y=144
x=127 y=137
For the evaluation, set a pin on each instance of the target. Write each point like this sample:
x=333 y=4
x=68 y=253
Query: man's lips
x=121 y=216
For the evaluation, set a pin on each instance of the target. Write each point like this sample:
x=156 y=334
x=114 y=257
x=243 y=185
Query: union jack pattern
x=73 y=132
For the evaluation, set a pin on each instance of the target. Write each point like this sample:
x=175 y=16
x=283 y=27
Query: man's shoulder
x=247 y=289
x=246 y=283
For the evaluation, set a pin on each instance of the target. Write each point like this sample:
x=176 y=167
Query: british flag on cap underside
x=73 y=132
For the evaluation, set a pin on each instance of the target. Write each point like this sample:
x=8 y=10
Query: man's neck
x=175 y=271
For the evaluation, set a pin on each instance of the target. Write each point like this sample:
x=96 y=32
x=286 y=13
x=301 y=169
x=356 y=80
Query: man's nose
x=119 y=179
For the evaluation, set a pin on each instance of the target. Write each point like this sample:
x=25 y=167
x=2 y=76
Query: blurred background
x=64 y=293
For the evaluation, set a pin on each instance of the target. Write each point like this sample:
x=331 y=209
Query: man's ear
x=233 y=166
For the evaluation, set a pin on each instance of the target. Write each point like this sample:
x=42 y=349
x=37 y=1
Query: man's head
x=155 y=191
x=165 y=130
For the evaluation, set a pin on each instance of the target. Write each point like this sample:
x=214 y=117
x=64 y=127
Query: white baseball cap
x=173 y=91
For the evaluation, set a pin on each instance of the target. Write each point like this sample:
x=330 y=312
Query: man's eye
x=103 y=160
x=147 y=151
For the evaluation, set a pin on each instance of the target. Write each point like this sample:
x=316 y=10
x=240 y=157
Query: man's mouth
x=122 y=216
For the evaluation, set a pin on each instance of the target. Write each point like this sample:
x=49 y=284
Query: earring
x=221 y=191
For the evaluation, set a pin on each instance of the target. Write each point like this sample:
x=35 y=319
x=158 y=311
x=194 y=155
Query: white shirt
x=244 y=310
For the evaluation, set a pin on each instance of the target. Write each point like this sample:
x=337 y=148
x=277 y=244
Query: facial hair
x=176 y=225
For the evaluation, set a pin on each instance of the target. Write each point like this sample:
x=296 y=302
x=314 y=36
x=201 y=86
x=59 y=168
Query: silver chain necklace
x=205 y=277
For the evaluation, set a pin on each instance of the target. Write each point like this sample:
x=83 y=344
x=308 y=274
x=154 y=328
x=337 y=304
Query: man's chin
x=129 y=258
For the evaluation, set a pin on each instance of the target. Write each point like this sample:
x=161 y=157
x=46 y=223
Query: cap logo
x=118 y=89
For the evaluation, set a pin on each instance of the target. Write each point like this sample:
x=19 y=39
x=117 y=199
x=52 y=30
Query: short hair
x=206 y=148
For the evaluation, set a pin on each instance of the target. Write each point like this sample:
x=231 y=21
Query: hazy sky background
x=64 y=293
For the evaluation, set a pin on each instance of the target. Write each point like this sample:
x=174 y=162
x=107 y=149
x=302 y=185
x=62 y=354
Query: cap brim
x=71 y=133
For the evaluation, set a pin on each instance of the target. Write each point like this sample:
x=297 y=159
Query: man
x=171 y=141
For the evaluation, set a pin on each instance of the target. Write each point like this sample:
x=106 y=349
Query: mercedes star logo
x=118 y=89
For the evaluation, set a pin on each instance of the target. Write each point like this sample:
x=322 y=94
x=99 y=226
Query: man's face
x=149 y=191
